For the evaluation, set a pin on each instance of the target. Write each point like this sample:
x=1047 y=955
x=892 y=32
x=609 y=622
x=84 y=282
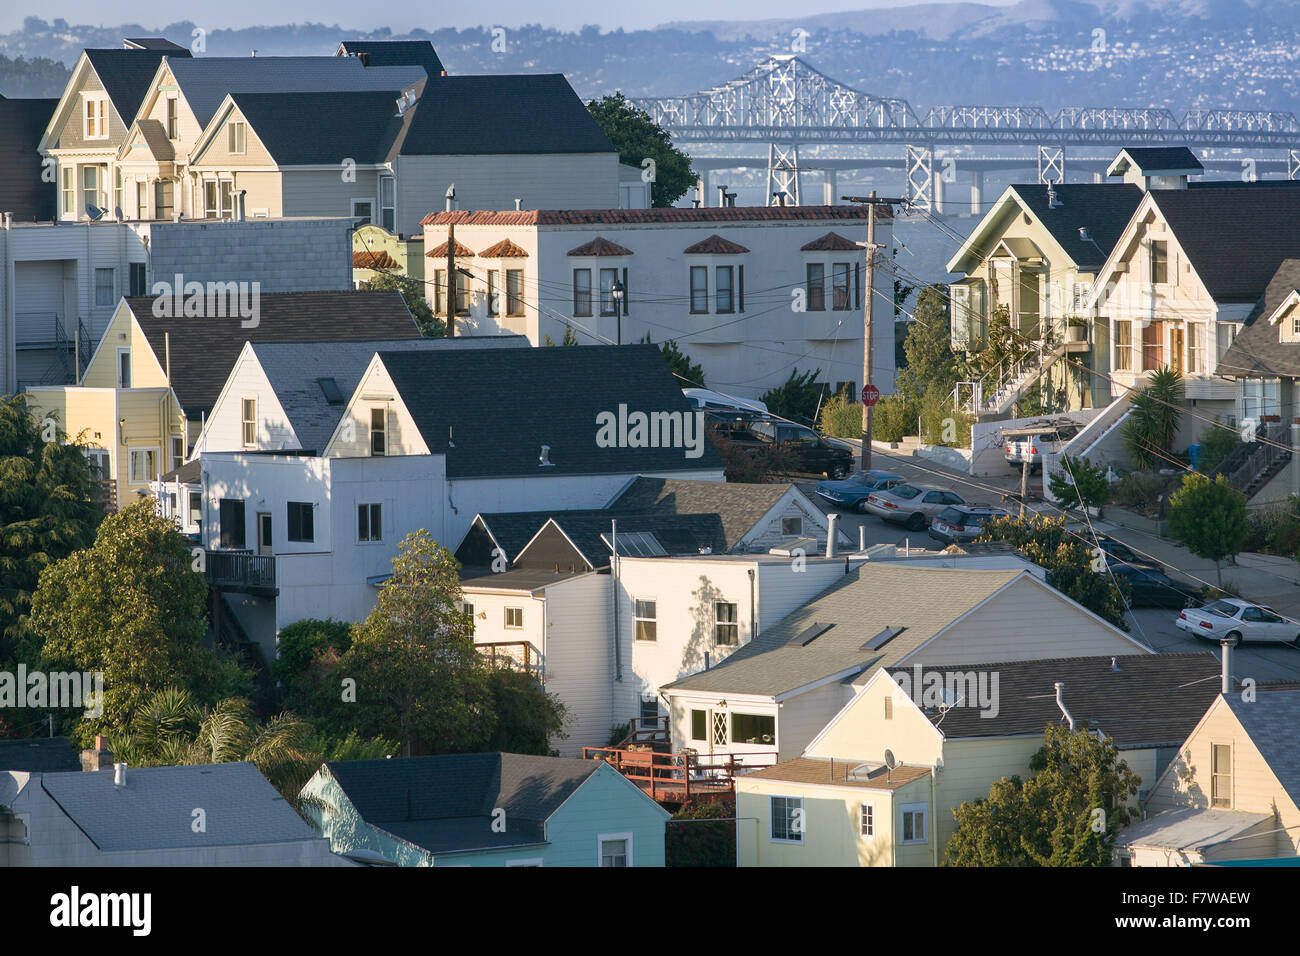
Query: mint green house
x=490 y=809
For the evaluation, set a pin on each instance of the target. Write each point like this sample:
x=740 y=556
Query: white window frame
x=100 y=120
x=123 y=381
x=68 y=190
x=237 y=137
x=178 y=459
x=369 y=217
x=506 y=619
x=381 y=434
x=797 y=839
x=1229 y=774
x=370 y=524
x=866 y=819
x=914 y=808
x=602 y=838
x=388 y=210
x=637 y=618
x=144 y=450
x=1195 y=345
x=245 y=422
x=718 y=624
x=172 y=117
x=110 y=300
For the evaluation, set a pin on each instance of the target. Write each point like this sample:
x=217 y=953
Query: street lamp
x=616 y=291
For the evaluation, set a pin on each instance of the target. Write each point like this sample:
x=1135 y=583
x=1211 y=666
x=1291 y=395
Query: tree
x=412 y=292
x=1079 y=484
x=569 y=338
x=679 y=363
x=133 y=606
x=1068 y=561
x=931 y=362
x=637 y=138
x=47 y=511
x=1209 y=517
x=797 y=397
x=1153 y=419
x=527 y=720
x=1067 y=814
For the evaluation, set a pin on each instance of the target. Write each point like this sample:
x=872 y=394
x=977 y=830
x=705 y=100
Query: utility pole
x=869 y=290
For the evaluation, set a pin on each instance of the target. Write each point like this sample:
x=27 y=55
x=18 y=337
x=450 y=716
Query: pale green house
x=489 y=809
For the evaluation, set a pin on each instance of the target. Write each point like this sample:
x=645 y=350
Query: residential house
x=1233 y=791
x=748 y=293
x=488 y=809
x=377 y=252
x=773 y=695
x=878 y=786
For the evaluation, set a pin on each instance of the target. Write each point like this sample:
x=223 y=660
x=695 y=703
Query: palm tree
x=1154 y=418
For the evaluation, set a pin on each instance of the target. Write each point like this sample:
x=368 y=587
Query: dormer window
x=236 y=134
x=95 y=118
x=173 y=118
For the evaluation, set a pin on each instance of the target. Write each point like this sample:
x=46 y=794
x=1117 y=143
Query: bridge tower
x=920 y=177
x=1051 y=164
x=783 y=173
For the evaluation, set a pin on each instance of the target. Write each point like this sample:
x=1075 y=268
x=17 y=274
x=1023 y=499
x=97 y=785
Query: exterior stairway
x=1252 y=465
x=1002 y=387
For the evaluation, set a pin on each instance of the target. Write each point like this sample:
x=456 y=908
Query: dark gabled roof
x=1258 y=349
x=161 y=44
x=1152 y=700
x=1270 y=720
x=716 y=245
x=503 y=405
x=203 y=351
x=588 y=531
x=445 y=803
x=1235 y=236
x=395 y=53
x=39 y=755
x=600 y=217
x=126 y=75
x=189 y=473
x=22 y=124
x=1153 y=159
x=300 y=129
x=600 y=246
x=831 y=242
x=516 y=579
x=738 y=506
x=502 y=114
x=1104 y=209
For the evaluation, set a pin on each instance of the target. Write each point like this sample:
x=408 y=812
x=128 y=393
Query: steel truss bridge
x=785 y=103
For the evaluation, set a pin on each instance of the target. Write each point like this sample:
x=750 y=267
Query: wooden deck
x=676 y=778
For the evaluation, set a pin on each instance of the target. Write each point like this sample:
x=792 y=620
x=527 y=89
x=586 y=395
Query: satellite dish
x=890 y=760
x=94 y=212
x=118 y=214
x=949 y=698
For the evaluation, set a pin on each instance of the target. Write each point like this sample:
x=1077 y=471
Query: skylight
x=330 y=389
x=637 y=544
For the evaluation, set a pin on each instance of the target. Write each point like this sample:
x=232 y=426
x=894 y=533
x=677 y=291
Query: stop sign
x=870 y=395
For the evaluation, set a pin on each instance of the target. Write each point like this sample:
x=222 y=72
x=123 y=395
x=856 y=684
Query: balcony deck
x=236 y=570
x=676 y=778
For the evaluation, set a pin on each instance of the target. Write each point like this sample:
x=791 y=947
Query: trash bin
x=1194 y=455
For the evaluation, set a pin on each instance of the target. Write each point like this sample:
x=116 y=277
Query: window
x=163 y=205
x=514 y=292
x=300 y=521
x=440 y=289
x=1123 y=346
x=607 y=304
x=1220 y=775
x=378 y=434
x=123 y=368
x=1159 y=262
x=227 y=198
x=1195 y=348
x=514 y=617
x=144 y=465
x=235 y=137
x=230 y=515
x=90 y=186
x=178 y=451
x=105 y=287
x=117 y=189
x=913 y=829
x=867 y=820
x=889 y=708
x=816 y=287
x=96 y=117
x=388 y=203
x=173 y=118
x=615 y=849
x=138 y=279
x=724 y=291
x=699 y=725
x=1080 y=300
x=840 y=287
x=196 y=508
x=758 y=729
x=726 y=630
x=581 y=292
x=1295 y=327
x=787 y=819
x=68 y=182
x=370 y=525
x=362 y=209
x=644 y=622
x=792 y=526
x=494 y=292
x=248 y=420
x=699 y=289
x=467 y=608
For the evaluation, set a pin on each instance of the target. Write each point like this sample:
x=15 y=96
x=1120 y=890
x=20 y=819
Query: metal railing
x=514 y=655
x=240 y=570
x=1246 y=464
x=676 y=777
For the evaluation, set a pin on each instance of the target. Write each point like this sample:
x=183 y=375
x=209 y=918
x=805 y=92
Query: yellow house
x=375 y=251
x=879 y=785
x=1233 y=791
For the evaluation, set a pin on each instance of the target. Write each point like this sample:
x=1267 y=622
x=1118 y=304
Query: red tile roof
x=600 y=246
x=440 y=252
x=831 y=242
x=505 y=249
x=374 y=260
x=716 y=245
x=597 y=217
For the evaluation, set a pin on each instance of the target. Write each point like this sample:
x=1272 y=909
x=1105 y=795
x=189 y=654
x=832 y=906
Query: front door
x=1176 y=348
x=717 y=731
x=1153 y=346
x=263 y=532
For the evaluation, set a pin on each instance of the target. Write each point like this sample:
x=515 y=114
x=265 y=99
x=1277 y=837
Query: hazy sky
x=400 y=17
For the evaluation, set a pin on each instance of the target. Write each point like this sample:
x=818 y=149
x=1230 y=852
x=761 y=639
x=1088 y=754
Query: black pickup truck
x=812 y=454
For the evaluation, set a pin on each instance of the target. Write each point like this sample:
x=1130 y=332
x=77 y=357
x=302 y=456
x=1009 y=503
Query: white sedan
x=1240 y=620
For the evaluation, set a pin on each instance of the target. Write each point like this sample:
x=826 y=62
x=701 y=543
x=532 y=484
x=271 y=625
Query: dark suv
x=812 y=453
x=963 y=522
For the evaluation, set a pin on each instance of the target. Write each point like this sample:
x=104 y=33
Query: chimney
x=519 y=204
x=119 y=776
x=1060 y=702
x=364 y=58
x=545 y=460
x=831 y=520
x=1225 y=646
x=101 y=758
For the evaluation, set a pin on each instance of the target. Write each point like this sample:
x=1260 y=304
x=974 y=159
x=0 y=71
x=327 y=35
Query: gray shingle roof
x=1271 y=720
x=310 y=128
x=1152 y=700
x=739 y=506
x=396 y=53
x=294 y=369
x=39 y=755
x=444 y=803
x=126 y=74
x=865 y=602
x=502 y=405
x=1258 y=349
x=1104 y=209
x=22 y=192
x=153 y=811
x=1155 y=158
x=203 y=351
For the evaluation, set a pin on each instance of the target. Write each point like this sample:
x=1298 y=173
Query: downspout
x=753 y=608
x=1060 y=702
x=614 y=581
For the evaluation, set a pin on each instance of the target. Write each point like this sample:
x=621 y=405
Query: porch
x=241 y=570
x=678 y=777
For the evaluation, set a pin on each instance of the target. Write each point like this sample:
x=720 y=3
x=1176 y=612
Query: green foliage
x=1079 y=484
x=842 y=417
x=569 y=338
x=619 y=733
x=637 y=137
x=1068 y=561
x=941 y=424
x=527 y=718
x=299 y=642
x=1217 y=443
x=1068 y=813
x=47 y=512
x=797 y=398
x=1209 y=517
x=412 y=290
x=352 y=747
x=1144 y=492
x=1153 y=419
x=679 y=363
x=932 y=367
x=1275 y=528
x=892 y=418
x=753 y=464
x=1002 y=343
x=702 y=844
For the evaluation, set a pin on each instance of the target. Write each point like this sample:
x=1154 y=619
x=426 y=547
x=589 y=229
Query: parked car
x=963 y=522
x=1151 y=587
x=708 y=400
x=1119 y=555
x=812 y=453
x=1028 y=442
x=851 y=493
x=1242 y=620
x=912 y=505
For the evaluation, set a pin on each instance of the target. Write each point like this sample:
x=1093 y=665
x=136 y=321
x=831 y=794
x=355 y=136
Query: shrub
x=1142 y=491
x=1217 y=443
x=842 y=418
x=699 y=843
x=941 y=424
x=797 y=397
x=892 y=418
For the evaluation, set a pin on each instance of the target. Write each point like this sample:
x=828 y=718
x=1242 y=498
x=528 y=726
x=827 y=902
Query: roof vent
x=119 y=776
x=545 y=460
x=808 y=635
x=883 y=638
x=1083 y=234
x=1052 y=201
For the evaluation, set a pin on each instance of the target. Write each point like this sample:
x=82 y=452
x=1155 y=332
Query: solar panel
x=637 y=544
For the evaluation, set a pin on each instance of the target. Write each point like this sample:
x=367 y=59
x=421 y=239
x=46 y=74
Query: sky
x=401 y=17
